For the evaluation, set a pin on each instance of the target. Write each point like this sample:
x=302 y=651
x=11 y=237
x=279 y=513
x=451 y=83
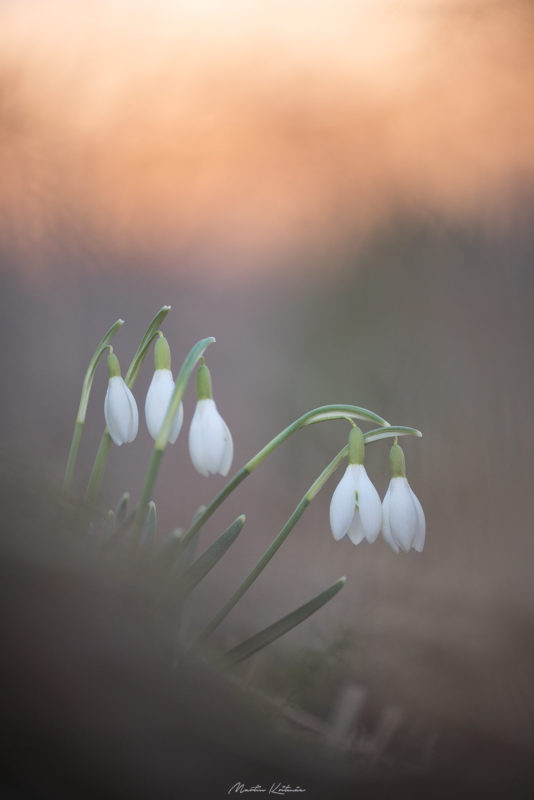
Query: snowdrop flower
x=120 y=408
x=210 y=442
x=355 y=508
x=404 y=519
x=160 y=392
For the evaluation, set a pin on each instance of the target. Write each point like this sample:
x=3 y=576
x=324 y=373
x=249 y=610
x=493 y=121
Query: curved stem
x=275 y=545
x=84 y=401
x=314 y=489
x=162 y=438
x=99 y=464
x=321 y=414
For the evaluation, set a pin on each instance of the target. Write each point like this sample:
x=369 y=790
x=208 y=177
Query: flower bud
x=120 y=408
x=210 y=442
x=403 y=517
x=160 y=392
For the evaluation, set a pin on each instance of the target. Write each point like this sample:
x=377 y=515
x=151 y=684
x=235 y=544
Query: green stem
x=73 y=453
x=84 y=401
x=274 y=546
x=370 y=436
x=162 y=439
x=99 y=465
x=320 y=414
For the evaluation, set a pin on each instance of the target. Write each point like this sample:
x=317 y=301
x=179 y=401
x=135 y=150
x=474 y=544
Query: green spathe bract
x=99 y=465
x=356 y=446
x=397 y=464
x=162 y=353
x=203 y=383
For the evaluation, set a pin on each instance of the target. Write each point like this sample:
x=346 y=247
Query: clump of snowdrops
x=355 y=509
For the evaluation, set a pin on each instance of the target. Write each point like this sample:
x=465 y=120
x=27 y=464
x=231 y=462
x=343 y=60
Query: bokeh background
x=342 y=194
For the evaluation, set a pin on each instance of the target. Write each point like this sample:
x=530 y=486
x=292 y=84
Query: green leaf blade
x=208 y=560
x=282 y=626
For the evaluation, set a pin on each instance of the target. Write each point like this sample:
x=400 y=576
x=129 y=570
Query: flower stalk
x=320 y=414
x=162 y=438
x=370 y=436
x=84 y=401
x=99 y=465
x=274 y=546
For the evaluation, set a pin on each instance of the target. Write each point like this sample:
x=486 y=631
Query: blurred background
x=342 y=194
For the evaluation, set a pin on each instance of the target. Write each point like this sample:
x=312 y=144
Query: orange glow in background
x=248 y=127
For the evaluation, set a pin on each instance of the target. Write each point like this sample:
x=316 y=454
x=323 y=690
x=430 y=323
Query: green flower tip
x=397 y=463
x=162 y=353
x=114 y=368
x=203 y=383
x=356 y=446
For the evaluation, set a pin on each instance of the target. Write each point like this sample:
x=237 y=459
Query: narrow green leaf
x=162 y=438
x=171 y=545
x=121 y=509
x=84 y=401
x=282 y=626
x=200 y=568
x=150 y=334
x=150 y=525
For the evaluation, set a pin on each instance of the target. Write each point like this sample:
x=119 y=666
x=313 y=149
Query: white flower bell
x=404 y=519
x=210 y=441
x=160 y=392
x=355 y=508
x=120 y=408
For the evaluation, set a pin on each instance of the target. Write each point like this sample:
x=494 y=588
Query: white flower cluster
x=210 y=441
x=356 y=510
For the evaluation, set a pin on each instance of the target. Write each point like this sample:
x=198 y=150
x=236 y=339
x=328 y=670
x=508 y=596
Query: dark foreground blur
x=92 y=705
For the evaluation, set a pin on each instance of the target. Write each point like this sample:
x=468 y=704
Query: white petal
x=110 y=413
x=403 y=517
x=120 y=411
x=134 y=416
x=210 y=442
x=343 y=505
x=419 y=538
x=177 y=423
x=356 y=532
x=196 y=441
x=386 y=527
x=228 y=454
x=369 y=504
x=157 y=402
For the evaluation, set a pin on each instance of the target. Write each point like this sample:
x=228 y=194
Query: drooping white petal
x=228 y=454
x=210 y=441
x=120 y=411
x=369 y=505
x=356 y=532
x=419 y=538
x=386 y=527
x=157 y=402
x=196 y=442
x=343 y=505
x=403 y=517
